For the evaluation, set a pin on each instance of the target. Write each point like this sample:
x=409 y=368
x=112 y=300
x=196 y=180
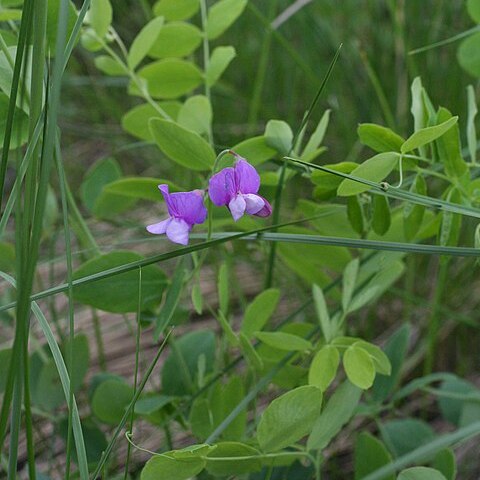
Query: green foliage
x=289 y=418
x=183 y=146
x=370 y=454
x=114 y=294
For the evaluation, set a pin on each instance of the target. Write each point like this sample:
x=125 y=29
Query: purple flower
x=185 y=210
x=237 y=188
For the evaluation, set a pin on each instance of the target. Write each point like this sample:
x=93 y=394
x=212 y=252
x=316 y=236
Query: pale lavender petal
x=177 y=231
x=189 y=206
x=254 y=203
x=221 y=187
x=237 y=207
x=266 y=210
x=159 y=228
x=247 y=179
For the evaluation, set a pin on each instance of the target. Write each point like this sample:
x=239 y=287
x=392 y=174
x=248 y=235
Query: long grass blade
x=64 y=379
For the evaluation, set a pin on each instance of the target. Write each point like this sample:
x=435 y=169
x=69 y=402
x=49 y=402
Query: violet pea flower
x=185 y=209
x=237 y=187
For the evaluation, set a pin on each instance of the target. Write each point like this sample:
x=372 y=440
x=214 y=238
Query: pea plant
x=285 y=381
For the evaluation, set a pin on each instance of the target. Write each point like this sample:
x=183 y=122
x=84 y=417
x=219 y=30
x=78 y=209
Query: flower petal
x=177 y=231
x=266 y=210
x=254 y=203
x=189 y=206
x=237 y=207
x=167 y=196
x=159 y=228
x=247 y=180
x=221 y=187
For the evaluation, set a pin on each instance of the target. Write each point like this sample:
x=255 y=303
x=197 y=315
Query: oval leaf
x=176 y=9
x=374 y=169
x=289 y=418
x=222 y=15
x=259 y=311
x=359 y=367
x=324 y=367
x=284 y=341
x=219 y=61
x=118 y=293
x=420 y=473
x=170 y=78
x=176 y=39
x=143 y=42
x=426 y=135
x=181 y=145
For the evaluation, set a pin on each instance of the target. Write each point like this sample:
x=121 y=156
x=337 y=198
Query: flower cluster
x=234 y=187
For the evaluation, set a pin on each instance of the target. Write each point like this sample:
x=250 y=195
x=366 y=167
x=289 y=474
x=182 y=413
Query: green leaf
x=375 y=169
x=100 y=16
x=81 y=359
x=109 y=66
x=188 y=349
x=451 y=222
x=170 y=78
x=164 y=467
x=255 y=150
x=7 y=258
x=316 y=138
x=196 y=115
x=223 y=401
x=219 y=61
x=445 y=463
x=396 y=350
x=47 y=392
x=20 y=122
x=223 y=462
x=172 y=298
x=471 y=130
x=324 y=367
x=279 y=135
x=449 y=148
x=144 y=41
x=110 y=400
x=355 y=214
x=322 y=313
x=183 y=146
x=250 y=353
x=420 y=473
x=9 y=14
x=227 y=330
x=176 y=39
x=118 y=293
x=380 y=360
x=359 y=367
x=223 y=288
x=135 y=121
x=381 y=218
x=176 y=9
x=452 y=408
x=337 y=412
x=222 y=15
x=370 y=455
x=468 y=54
x=259 y=311
x=327 y=183
x=403 y=436
x=284 y=341
x=473 y=8
x=378 y=138
x=348 y=283
x=427 y=135
x=289 y=418
x=197 y=298
x=101 y=173
x=142 y=188
x=53 y=7
x=413 y=214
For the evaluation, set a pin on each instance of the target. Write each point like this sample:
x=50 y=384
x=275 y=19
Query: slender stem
x=206 y=59
x=135 y=382
x=433 y=321
x=102 y=361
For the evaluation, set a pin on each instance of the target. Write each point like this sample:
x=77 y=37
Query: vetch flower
x=185 y=209
x=237 y=187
